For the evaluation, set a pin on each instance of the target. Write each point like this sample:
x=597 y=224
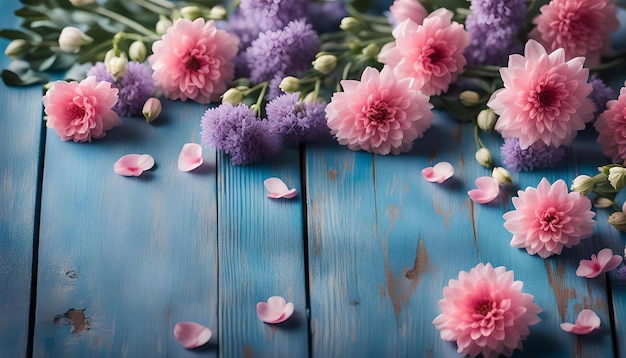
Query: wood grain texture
x=135 y=254
x=261 y=254
x=375 y=217
x=20 y=136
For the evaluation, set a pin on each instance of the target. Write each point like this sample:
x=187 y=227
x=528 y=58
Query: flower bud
x=486 y=119
x=325 y=64
x=137 y=51
x=78 y=3
x=370 y=50
x=218 y=13
x=312 y=98
x=617 y=177
x=163 y=25
x=71 y=39
x=583 y=184
x=116 y=64
x=232 y=96
x=483 y=157
x=602 y=202
x=501 y=175
x=289 y=84
x=151 y=109
x=469 y=98
x=618 y=219
x=191 y=12
x=350 y=24
x=16 y=48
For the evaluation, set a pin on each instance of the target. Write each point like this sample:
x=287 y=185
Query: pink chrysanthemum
x=486 y=312
x=379 y=114
x=81 y=111
x=548 y=218
x=544 y=100
x=580 y=27
x=194 y=60
x=431 y=53
x=611 y=126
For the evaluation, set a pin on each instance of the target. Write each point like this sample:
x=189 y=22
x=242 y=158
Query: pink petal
x=586 y=322
x=438 y=173
x=607 y=260
x=276 y=189
x=133 y=164
x=588 y=269
x=488 y=189
x=190 y=157
x=191 y=334
x=275 y=310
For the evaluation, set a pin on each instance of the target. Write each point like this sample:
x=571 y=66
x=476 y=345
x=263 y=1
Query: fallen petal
x=276 y=189
x=133 y=164
x=438 y=173
x=604 y=261
x=587 y=322
x=190 y=157
x=488 y=189
x=275 y=310
x=191 y=334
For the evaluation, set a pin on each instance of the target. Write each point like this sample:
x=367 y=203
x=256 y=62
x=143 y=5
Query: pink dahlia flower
x=380 y=114
x=408 y=9
x=194 y=60
x=548 y=218
x=431 y=53
x=486 y=312
x=81 y=111
x=544 y=100
x=580 y=27
x=611 y=126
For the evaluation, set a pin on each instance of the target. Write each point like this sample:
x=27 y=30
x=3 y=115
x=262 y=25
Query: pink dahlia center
x=574 y=25
x=550 y=220
x=194 y=60
x=76 y=112
x=433 y=58
x=377 y=112
x=487 y=314
x=545 y=99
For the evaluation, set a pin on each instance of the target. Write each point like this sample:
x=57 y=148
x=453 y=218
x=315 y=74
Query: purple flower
x=238 y=132
x=135 y=87
x=600 y=94
x=621 y=275
x=493 y=27
x=518 y=159
x=295 y=121
x=287 y=51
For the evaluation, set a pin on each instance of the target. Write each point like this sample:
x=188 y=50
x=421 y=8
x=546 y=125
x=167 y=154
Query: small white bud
x=483 y=157
x=501 y=175
x=617 y=177
x=137 y=51
x=218 y=13
x=232 y=96
x=602 y=202
x=289 y=84
x=151 y=109
x=16 y=48
x=486 y=119
x=618 y=219
x=163 y=25
x=370 y=50
x=350 y=24
x=79 y=3
x=469 y=98
x=582 y=184
x=71 y=39
x=191 y=12
x=116 y=65
x=325 y=64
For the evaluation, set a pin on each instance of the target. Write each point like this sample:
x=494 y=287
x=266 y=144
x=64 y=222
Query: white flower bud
x=137 y=51
x=501 y=175
x=618 y=219
x=617 y=177
x=325 y=64
x=582 y=184
x=191 y=12
x=370 y=51
x=469 y=98
x=16 y=48
x=116 y=65
x=312 y=98
x=289 y=84
x=218 y=13
x=486 y=119
x=350 y=24
x=602 y=202
x=151 y=109
x=232 y=96
x=71 y=39
x=483 y=157
x=78 y=3
x=163 y=25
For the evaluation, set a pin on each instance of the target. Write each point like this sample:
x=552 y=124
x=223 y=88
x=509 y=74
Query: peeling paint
x=332 y=174
x=561 y=292
x=75 y=317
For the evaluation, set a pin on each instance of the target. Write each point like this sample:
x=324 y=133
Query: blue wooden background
x=95 y=264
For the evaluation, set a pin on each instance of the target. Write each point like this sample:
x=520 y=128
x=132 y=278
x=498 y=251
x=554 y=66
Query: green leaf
x=14 y=34
x=47 y=63
x=28 y=78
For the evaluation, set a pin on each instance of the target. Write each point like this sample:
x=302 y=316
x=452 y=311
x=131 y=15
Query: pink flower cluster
x=611 y=126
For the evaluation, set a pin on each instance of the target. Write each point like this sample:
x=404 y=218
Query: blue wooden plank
x=20 y=141
x=375 y=284
x=134 y=256
x=261 y=254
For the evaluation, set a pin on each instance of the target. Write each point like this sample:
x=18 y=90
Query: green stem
x=152 y=7
x=479 y=142
x=259 y=101
x=124 y=20
x=87 y=56
x=164 y=3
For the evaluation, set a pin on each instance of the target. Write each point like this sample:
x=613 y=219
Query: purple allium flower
x=518 y=159
x=287 y=51
x=135 y=86
x=295 y=121
x=238 y=132
x=493 y=27
x=600 y=94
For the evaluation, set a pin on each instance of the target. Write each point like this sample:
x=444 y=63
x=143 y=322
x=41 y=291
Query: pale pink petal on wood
x=275 y=310
x=190 y=157
x=438 y=173
x=604 y=261
x=587 y=322
x=191 y=334
x=133 y=164
x=487 y=189
x=276 y=189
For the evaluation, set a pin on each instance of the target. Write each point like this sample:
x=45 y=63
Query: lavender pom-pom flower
x=296 y=121
x=518 y=159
